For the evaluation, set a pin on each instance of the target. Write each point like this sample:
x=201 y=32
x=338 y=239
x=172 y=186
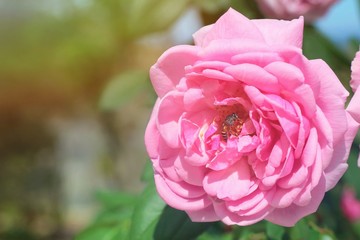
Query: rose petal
x=277 y=32
x=207 y=214
x=184 y=189
x=170 y=68
x=338 y=165
x=260 y=59
x=309 y=153
x=354 y=106
x=170 y=110
x=331 y=106
x=254 y=75
x=289 y=76
x=298 y=176
x=152 y=134
x=290 y=215
x=175 y=201
x=232 y=183
x=191 y=174
x=226 y=28
x=231 y=218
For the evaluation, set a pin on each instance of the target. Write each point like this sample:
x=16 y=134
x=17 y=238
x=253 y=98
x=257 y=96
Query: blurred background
x=75 y=99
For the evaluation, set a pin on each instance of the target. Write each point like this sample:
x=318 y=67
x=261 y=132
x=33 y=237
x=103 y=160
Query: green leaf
x=353 y=46
x=352 y=176
x=356 y=228
x=108 y=225
x=146 y=214
x=299 y=230
x=114 y=216
x=102 y=232
x=275 y=232
x=114 y=220
x=148 y=172
x=302 y=230
x=219 y=231
x=209 y=236
x=176 y=225
x=122 y=88
x=110 y=199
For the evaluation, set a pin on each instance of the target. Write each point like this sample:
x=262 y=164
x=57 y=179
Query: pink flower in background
x=290 y=9
x=350 y=205
x=245 y=127
x=354 y=105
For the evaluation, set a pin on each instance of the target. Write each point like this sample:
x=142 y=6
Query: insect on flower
x=232 y=125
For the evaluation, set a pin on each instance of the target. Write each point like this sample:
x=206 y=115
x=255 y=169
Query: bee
x=232 y=125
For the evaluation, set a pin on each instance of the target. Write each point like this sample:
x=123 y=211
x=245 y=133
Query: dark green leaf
x=275 y=232
x=353 y=47
x=356 y=228
x=299 y=231
x=146 y=214
x=352 y=176
x=325 y=233
x=219 y=231
x=302 y=230
x=176 y=225
x=121 y=89
x=211 y=236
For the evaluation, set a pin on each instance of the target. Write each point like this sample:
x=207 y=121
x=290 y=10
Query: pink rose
x=289 y=9
x=245 y=127
x=354 y=105
x=350 y=206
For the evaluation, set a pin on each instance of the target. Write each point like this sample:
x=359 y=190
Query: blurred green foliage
x=123 y=88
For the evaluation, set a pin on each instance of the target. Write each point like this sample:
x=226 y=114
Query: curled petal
x=152 y=134
x=355 y=72
x=230 y=218
x=232 y=183
x=170 y=68
x=354 y=106
x=288 y=216
x=261 y=59
x=223 y=29
x=288 y=32
x=254 y=75
x=176 y=201
x=168 y=118
x=207 y=214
